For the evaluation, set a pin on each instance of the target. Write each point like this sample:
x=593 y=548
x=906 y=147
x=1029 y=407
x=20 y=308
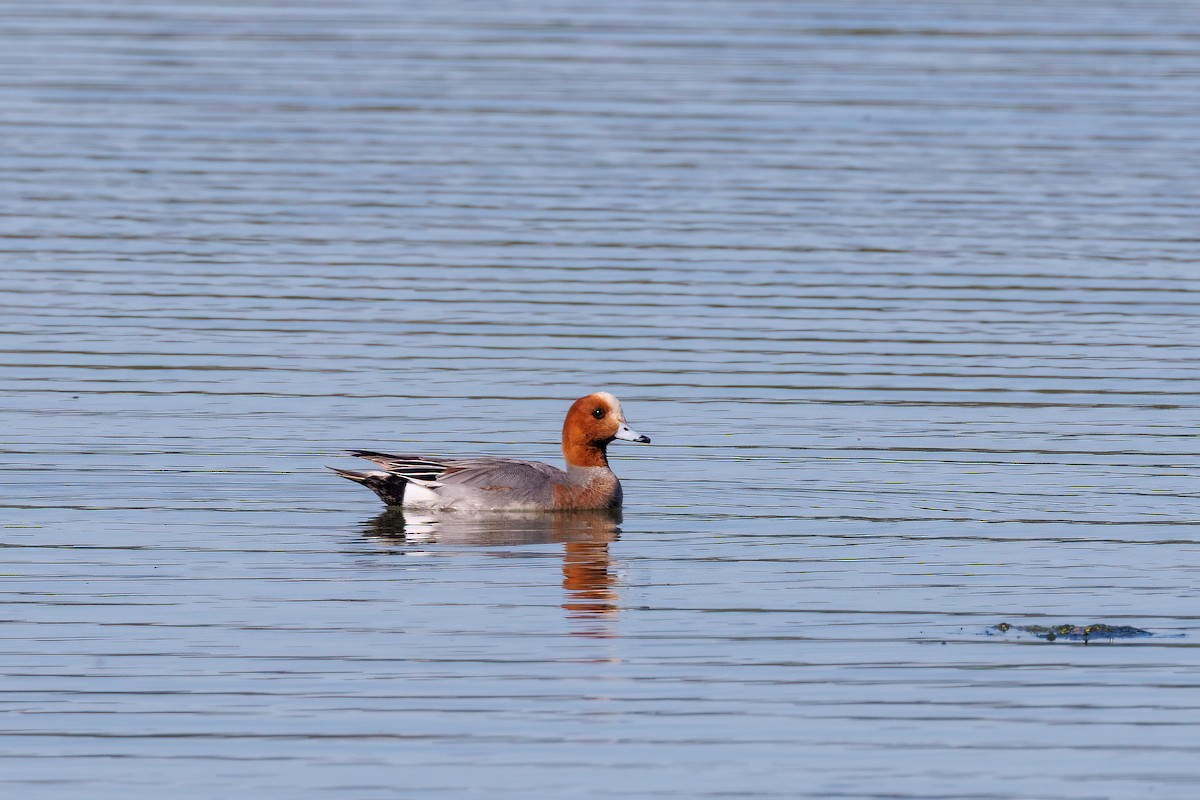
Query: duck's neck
x=585 y=454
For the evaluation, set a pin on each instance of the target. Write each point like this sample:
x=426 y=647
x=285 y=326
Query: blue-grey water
x=906 y=294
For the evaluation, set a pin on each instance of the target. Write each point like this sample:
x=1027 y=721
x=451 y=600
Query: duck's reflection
x=588 y=581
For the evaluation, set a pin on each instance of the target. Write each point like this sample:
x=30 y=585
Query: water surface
x=907 y=298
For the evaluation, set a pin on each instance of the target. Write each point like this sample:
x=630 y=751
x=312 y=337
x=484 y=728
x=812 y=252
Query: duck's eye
x=598 y=413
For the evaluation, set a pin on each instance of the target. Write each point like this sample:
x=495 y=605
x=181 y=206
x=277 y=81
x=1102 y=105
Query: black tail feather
x=389 y=486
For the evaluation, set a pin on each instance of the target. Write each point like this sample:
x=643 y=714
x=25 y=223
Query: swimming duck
x=509 y=484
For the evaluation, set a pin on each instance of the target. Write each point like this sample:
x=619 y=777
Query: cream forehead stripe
x=613 y=403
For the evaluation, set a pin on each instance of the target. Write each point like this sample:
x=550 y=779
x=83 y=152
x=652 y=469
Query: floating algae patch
x=1075 y=633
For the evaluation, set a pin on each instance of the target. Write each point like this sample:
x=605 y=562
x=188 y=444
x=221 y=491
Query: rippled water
x=906 y=295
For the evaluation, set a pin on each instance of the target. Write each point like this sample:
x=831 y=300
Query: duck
x=492 y=483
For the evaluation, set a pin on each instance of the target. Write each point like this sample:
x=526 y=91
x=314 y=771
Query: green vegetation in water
x=1076 y=633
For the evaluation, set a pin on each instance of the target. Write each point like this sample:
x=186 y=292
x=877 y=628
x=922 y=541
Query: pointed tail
x=388 y=485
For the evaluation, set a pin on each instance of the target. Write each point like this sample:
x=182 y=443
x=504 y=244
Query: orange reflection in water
x=589 y=583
